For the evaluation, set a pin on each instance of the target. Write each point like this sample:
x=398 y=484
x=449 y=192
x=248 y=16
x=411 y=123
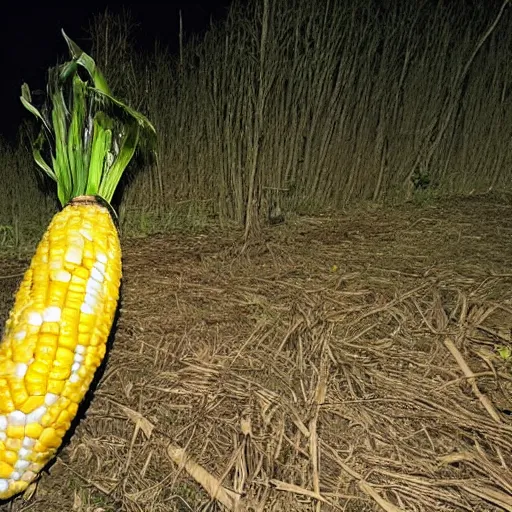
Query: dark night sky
x=31 y=42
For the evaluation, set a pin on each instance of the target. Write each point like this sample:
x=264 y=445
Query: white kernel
x=93 y=287
x=52 y=314
x=28 y=442
x=4 y=484
x=20 y=370
x=96 y=275
x=100 y=267
x=21 y=465
x=50 y=398
x=36 y=415
x=91 y=299
x=23 y=453
x=61 y=275
x=102 y=258
x=55 y=265
x=16 y=418
x=3 y=422
x=87 y=309
x=34 y=318
x=74 y=377
x=79 y=358
x=3 y=436
x=75 y=367
x=15 y=476
x=80 y=349
x=74 y=255
x=86 y=234
x=20 y=335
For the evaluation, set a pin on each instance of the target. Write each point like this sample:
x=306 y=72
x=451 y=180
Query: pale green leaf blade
x=38 y=157
x=26 y=100
x=127 y=149
x=87 y=62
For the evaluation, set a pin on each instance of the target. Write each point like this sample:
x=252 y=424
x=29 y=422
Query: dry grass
x=338 y=363
x=303 y=105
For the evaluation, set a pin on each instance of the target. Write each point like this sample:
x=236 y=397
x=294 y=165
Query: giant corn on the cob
x=56 y=334
x=56 y=337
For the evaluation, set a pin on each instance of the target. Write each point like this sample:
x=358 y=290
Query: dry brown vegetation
x=346 y=362
x=310 y=105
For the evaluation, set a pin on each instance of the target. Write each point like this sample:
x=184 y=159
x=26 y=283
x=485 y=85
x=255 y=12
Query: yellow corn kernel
x=59 y=371
x=6 y=402
x=49 y=418
x=58 y=286
x=72 y=409
x=62 y=403
x=64 y=419
x=23 y=349
x=80 y=275
x=39 y=457
x=16 y=431
x=33 y=430
x=37 y=387
x=60 y=433
x=41 y=274
x=87 y=322
x=84 y=338
x=55 y=386
x=36 y=383
x=17 y=486
x=72 y=391
x=70 y=316
x=44 y=355
x=88 y=262
x=95 y=339
x=9 y=456
x=68 y=342
x=74 y=299
x=92 y=359
x=40 y=367
x=19 y=392
x=64 y=356
x=52 y=328
x=32 y=403
x=49 y=439
x=5 y=470
x=41 y=449
x=83 y=371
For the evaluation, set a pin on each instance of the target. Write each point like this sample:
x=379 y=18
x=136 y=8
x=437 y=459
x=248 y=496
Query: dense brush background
x=305 y=105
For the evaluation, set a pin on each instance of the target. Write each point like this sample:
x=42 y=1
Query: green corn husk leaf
x=61 y=162
x=26 y=100
x=91 y=136
x=77 y=156
x=125 y=153
x=82 y=59
x=101 y=143
x=38 y=157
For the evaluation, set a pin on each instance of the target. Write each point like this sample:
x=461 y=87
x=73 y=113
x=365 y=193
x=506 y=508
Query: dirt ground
x=355 y=362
